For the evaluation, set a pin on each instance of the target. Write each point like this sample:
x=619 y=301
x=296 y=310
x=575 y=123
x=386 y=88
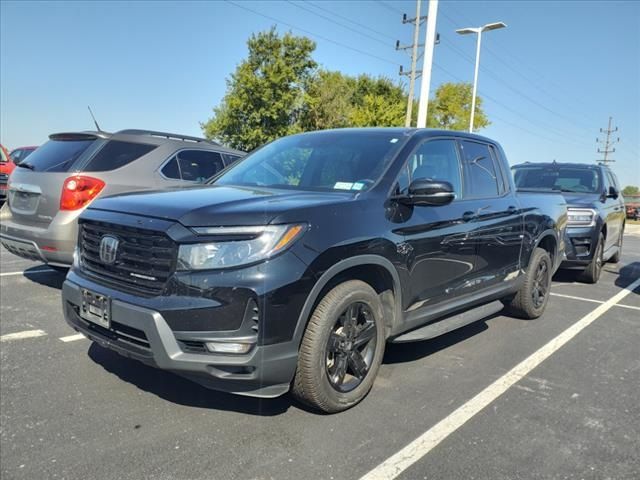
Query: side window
x=229 y=159
x=193 y=165
x=434 y=159
x=481 y=176
x=503 y=181
x=611 y=179
x=116 y=154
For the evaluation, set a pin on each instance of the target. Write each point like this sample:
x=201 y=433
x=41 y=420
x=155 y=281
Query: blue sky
x=550 y=80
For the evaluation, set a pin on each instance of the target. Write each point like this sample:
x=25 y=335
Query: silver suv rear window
x=57 y=155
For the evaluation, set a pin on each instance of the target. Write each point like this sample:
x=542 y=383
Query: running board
x=445 y=325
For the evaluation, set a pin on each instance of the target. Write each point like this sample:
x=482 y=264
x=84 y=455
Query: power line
x=315 y=5
x=389 y=7
x=338 y=23
x=312 y=34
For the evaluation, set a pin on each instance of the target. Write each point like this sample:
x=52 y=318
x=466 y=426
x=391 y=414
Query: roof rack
x=174 y=136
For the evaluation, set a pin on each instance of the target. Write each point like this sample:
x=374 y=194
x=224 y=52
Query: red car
x=6 y=167
x=20 y=153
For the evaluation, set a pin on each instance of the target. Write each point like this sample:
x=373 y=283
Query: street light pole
x=478 y=31
x=475 y=82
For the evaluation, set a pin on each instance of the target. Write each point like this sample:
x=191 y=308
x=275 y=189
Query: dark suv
x=303 y=259
x=595 y=206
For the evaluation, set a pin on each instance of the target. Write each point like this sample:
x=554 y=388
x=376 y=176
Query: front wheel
x=591 y=274
x=531 y=300
x=342 y=348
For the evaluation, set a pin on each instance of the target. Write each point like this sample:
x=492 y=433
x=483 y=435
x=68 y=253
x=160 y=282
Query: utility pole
x=413 y=73
x=608 y=144
x=430 y=41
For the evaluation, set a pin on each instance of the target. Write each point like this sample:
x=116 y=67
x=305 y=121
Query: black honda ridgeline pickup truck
x=297 y=265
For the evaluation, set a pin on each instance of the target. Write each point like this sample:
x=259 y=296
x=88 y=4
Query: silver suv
x=51 y=188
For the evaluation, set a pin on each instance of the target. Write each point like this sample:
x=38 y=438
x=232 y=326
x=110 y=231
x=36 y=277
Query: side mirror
x=612 y=193
x=424 y=191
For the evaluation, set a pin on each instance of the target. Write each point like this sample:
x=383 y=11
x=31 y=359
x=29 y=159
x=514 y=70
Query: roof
x=410 y=131
x=152 y=136
x=590 y=166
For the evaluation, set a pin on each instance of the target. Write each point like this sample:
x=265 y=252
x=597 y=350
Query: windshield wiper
x=26 y=165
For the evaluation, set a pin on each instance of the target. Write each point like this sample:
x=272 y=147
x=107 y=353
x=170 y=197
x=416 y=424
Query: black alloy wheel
x=540 y=285
x=351 y=347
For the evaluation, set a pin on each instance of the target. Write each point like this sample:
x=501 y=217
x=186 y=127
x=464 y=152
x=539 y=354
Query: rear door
x=35 y=186
x=615 y=212
x=495 y=216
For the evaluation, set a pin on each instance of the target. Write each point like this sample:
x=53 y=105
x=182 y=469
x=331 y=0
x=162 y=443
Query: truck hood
x=582 y=200
x=220 y=206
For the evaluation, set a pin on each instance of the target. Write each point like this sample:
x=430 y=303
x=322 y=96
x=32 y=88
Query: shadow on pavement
x=629 y=274
x=173 y=388
x=409 y=352
x=50 y=278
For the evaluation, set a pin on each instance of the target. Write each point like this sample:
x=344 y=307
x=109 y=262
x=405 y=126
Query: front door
x=436 y=249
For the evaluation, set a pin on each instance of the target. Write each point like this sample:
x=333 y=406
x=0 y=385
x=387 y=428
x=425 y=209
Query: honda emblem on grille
x=109 y=249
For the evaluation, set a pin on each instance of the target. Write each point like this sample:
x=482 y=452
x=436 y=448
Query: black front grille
x=144 y=262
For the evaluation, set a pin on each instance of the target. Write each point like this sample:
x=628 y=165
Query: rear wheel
x=531 y=300
x=341 y=349
x=591 y=274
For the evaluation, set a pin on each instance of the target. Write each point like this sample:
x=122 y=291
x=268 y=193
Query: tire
x=591 y=274
x=618 y=255
x=327 y=341
x=531 y=300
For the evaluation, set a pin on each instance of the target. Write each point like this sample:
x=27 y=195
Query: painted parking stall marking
x=421 y=446
x=22 y=335
x=25 y=272
x=73 y=338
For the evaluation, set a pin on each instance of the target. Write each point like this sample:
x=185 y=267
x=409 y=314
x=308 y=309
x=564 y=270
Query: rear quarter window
x=58 y=155
x=116 y=154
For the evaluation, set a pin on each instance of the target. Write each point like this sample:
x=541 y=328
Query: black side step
x=448 y=324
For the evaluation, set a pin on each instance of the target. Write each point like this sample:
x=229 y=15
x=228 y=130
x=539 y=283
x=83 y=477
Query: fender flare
x=558 y=253
x=334 y=270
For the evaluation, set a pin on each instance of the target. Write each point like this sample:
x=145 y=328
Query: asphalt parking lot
x=70 y=409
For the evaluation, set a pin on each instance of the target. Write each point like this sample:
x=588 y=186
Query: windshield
x=564 y=179
x=330 y=160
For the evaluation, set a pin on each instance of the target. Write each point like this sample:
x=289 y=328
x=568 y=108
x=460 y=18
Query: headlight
x=264 y=242
x=581 y=217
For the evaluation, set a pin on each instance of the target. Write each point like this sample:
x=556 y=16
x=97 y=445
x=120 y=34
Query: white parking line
x=576 y=298
x=399 y=462
x=44 y=270
x=593 y=301
x=73 y=338
x=20 y=335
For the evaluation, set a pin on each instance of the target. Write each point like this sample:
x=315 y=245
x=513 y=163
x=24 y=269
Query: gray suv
x=50 y=189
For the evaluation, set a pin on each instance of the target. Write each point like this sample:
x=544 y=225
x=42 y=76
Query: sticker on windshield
x=357 y=186
x=343 y=186
x=393 y=140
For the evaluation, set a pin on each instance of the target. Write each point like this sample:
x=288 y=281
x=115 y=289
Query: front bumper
x=579 y=246
x=143 y=334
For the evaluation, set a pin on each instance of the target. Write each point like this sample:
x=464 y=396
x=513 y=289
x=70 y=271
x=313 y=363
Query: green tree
x=630 y=190
x=450 y=108
x=265 y=95
x=335 y=100
x=328 y=101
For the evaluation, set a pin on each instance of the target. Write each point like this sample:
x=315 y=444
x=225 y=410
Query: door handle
x=468 y=216
x=511 y=210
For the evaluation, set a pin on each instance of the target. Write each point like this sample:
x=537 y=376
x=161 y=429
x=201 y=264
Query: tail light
x=78 y=191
